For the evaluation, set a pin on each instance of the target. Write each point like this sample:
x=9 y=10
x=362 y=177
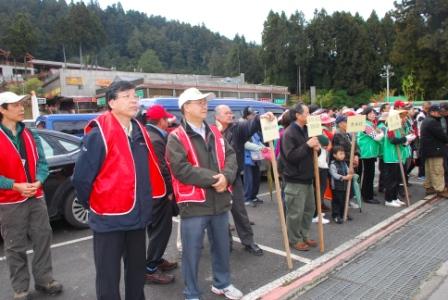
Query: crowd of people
x=135 y=175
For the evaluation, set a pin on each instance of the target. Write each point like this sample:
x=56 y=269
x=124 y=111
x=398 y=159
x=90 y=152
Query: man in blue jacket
x=117 y=177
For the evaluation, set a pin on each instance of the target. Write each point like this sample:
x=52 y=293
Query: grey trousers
x=300 y=206
x=18 y=223
x=239 y=214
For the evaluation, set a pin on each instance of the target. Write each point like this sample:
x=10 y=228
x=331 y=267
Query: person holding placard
x=433 y=149
x=392 y=177
x=296 y=166
x=368 y=141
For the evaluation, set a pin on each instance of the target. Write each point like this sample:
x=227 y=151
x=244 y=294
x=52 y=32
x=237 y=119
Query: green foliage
x=412 y=88
x=21 y=36
x=22 y=88
x=149 y=62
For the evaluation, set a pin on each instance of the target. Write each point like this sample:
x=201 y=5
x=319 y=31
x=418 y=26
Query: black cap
x=434 y=107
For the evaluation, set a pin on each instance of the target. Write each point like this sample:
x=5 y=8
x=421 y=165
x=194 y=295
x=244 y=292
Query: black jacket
x=433 y=138
x=159 y=143
x=343 y=139
x=238 y=133
x=296 y=158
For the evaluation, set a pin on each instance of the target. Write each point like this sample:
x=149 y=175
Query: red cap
x=157 y=112
x=399 y=104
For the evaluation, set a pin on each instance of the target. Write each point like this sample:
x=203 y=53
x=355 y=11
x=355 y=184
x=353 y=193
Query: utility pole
x=387 y=74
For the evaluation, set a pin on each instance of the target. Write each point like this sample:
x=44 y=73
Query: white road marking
x=60 y=244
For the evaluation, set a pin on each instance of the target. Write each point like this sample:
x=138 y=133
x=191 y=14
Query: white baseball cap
x=10 y=97
x=193 y=94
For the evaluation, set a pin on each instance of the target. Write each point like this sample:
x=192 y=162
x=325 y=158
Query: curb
x=294 y=282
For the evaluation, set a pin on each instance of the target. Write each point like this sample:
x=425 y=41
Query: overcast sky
x=245 y=17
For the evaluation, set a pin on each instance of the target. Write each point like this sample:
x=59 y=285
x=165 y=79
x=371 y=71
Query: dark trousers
x=323 y=175
x=421 y=167
x=108 y=249
x=392 y=180
x=381 y=178
x=368 y=175
x=18 y=222
x=158 y=232
x=239 y=214
x=338 y=204
x=251 y=182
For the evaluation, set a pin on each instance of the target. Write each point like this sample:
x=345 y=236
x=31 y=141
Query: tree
x=21 y=36
x=149 y=62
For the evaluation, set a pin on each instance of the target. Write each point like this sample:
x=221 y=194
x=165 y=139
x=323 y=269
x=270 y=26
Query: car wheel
x=75 y=214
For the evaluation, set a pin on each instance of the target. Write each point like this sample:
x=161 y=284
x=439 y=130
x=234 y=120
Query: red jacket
x=188 y=192
x=12 y=167
x=118 y=170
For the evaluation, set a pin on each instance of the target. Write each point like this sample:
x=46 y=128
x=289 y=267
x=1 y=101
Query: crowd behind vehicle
x=203 y=158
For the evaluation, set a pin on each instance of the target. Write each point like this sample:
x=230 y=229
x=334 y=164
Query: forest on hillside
x=341 y=54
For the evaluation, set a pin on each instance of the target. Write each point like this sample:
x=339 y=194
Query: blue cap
x=341 y=118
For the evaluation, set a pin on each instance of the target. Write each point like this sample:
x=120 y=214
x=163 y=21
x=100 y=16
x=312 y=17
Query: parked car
x=61 y=151
x=237 y=106
x=67 y=123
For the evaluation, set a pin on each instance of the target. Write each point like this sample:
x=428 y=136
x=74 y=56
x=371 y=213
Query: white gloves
x=410 y=137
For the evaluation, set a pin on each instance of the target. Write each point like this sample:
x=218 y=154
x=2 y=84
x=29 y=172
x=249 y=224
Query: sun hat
x=10 y=97
x=193 y=94
x=326 y=119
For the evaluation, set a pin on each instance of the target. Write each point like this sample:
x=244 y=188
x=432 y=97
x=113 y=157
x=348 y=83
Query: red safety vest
x=11 y=165
x=188 y=192
x=114 y=189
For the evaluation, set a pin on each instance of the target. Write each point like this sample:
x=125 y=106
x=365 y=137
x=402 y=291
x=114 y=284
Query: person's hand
x=25 y=189
x=221 y=185
x=410 y=138
x=347 y=177
x=313 y=143
x=170 y=197
x=269 y=116
x=36 y=184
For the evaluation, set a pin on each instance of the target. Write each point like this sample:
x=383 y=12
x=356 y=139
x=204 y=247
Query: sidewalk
x=398 y=267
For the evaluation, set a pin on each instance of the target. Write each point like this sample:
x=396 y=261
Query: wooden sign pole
x=403 y=176
x=320 y=226
x=350 y=170
x=280 y=207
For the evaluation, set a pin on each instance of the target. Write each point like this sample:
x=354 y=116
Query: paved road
x=73 y=260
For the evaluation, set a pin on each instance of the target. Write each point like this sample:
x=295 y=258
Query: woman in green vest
x=396 y=140
x=369 y=147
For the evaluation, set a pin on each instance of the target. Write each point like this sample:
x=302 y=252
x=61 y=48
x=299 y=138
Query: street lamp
x=387 y=74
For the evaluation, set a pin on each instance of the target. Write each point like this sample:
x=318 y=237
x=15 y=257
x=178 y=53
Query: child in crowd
x=340 y=176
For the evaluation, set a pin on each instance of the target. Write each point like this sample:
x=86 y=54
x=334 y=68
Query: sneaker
x=22 y=296
x=51 y=288
x=353 y=205
x=258 y=200
x=338 y=220
x=392 y=203
x=324 y=221
x=229 y=292
x=400 y=202
x=421 y=178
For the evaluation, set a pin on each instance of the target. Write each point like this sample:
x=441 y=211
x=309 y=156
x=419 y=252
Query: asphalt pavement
x=73 y=260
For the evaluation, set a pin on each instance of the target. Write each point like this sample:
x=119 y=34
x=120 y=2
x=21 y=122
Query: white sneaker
x=353 y=205
x=229 y=292
x=400 y=202
x=392 y=203
x=324 y=221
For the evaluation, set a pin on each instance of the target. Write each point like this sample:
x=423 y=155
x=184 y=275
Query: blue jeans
x=192 y=233
x=251 y=182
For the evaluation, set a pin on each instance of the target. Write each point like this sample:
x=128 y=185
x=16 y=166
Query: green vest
x=390 y=150
x=383 y=128
x=368 y=147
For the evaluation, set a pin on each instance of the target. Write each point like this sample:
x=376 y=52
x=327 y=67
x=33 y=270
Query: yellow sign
x=269 y=129
x=73 y=80
x=103 y=82
x=393 y=120
x=314 y=126
x=356 y=123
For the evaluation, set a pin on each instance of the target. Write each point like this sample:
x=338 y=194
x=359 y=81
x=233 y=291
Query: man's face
x=197 y=109
x=225 y=115
x=343 y=126
x=426 y=107
x=125 y=104
x=163 y=124
x=302 y=118
x=435 y=114
x=14 y=112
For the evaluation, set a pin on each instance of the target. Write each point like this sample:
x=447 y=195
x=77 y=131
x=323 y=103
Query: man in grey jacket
x=203 y=165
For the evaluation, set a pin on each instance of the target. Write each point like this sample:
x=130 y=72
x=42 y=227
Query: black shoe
x=253 y=249
x=338 y=220
x=51 y=288
x=349 y=218
x=372 y=201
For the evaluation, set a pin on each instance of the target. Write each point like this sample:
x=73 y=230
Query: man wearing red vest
x=23 y=211
x=203 y=165
x=117 y=177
